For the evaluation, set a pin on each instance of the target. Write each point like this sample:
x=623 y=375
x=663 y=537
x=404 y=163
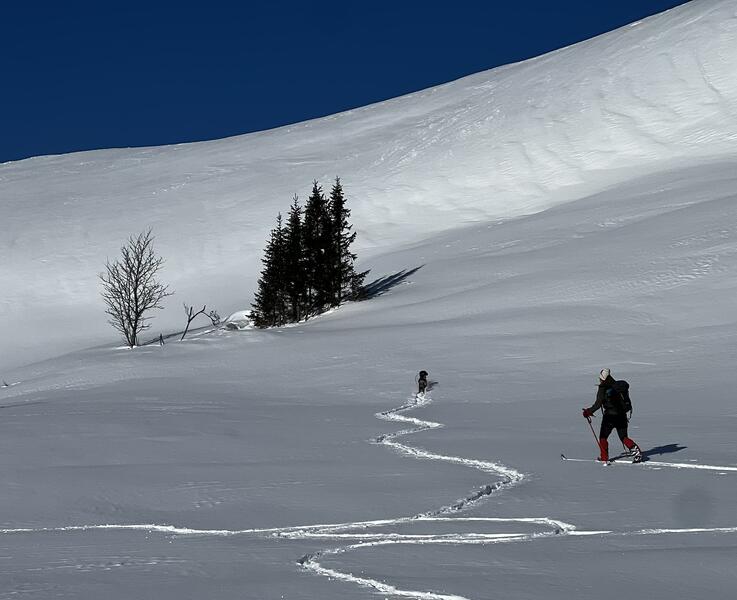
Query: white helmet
x=603 y=374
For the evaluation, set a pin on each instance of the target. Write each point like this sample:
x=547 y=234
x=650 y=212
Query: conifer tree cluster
x=308 y=263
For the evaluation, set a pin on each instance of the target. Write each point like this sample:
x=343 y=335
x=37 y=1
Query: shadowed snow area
x=525 y=227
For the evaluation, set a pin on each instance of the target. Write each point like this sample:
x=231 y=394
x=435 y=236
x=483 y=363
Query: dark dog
x=422 y=382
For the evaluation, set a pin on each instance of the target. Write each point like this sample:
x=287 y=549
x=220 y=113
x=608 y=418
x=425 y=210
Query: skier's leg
x=606 y=429
x=631 y=446
x=629 y=443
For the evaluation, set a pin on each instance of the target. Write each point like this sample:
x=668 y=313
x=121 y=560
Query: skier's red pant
x=608 y=423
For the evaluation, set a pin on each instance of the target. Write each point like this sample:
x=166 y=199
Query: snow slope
x=252 y=464
x=296 y=464
x=659 y=94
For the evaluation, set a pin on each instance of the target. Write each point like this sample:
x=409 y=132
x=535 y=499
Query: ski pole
x=596 y=439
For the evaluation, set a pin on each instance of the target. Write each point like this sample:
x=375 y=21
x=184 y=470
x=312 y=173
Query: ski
x=619 y=459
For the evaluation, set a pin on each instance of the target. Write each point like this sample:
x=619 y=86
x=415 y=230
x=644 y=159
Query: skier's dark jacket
x=611 y=404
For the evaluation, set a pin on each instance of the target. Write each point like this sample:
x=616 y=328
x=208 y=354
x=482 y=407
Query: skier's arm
x=599 y=400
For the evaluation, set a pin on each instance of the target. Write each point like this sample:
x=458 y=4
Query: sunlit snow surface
x=297 y=463
x=657 y=95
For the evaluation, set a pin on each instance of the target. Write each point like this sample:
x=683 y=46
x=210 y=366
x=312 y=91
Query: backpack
x=618 y=396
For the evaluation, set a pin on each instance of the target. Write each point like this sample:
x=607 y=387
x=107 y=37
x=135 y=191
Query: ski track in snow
x=654 y=464
x=364 y=534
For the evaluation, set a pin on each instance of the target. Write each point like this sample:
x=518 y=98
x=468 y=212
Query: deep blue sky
x=84 y=75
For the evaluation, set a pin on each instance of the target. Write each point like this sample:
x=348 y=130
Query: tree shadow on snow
x=384 y=284
x=659 y=450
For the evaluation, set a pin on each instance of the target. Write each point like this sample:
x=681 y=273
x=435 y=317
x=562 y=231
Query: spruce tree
x=294 y=263
x=269 y=307
x=308 y=265
x=317 y=249
x=345 y=282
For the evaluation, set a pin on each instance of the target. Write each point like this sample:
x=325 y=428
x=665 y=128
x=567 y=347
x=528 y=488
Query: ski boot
x=633 y=450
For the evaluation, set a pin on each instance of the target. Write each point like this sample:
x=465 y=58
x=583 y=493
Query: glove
x=587 y=414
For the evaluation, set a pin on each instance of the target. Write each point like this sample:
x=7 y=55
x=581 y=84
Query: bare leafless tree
x=130 y=289
x=192 y=315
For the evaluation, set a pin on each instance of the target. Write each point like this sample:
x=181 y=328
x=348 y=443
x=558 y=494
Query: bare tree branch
x=191 y=316
x=130 y=289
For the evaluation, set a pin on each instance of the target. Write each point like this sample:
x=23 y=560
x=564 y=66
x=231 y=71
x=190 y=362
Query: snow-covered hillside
x=653 y=96
x=250 y=464
x=532 y=225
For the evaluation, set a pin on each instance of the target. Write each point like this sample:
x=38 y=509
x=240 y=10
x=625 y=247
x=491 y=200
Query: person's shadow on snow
x=660 y=450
